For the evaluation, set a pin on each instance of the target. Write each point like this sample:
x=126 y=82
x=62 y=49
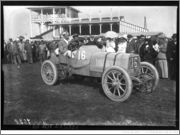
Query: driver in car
x=63 y=46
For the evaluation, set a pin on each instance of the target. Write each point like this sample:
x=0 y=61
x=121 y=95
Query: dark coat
x=15 y=49
x=74 y=44
x=171 y=51
x=28 y=47
x=147 y=53
x=131 y=46
x=91 y=42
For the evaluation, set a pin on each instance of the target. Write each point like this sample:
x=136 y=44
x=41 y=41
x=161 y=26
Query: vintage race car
x=120 y=73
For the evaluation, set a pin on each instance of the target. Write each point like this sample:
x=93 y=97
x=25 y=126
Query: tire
x=117 y=87
x=151 y=68
x=49 y=72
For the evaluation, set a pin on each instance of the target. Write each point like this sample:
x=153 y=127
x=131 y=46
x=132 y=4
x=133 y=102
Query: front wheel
x=150 y=77
x=49 y=72
x=116 y=84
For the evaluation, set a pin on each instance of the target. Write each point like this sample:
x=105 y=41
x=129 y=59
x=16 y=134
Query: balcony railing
x=56 y=19
x=62 y=19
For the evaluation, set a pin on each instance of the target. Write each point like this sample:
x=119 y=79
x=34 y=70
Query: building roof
x=35 y=8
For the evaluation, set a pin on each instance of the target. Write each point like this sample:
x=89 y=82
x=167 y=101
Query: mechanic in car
x=63 y=46
x=74 y=44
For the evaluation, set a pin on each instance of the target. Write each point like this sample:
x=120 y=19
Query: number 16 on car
x=81 y=55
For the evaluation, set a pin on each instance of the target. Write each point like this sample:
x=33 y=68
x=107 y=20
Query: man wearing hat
x=91 y=41
x=74 y=43
x=42 y=51
x=63 y=45
x=15 y=53
x=22 y=49
x=10 y=50
x=171 y=56
x=28 y=47
x=140 y=41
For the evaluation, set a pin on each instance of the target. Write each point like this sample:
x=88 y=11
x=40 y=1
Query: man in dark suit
x=91 y=41
x=15 y=53
x=131 y=44
x=171 y=56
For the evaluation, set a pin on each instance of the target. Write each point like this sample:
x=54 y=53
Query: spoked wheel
x=149 y=76
x=116 y=84
x=49 y=72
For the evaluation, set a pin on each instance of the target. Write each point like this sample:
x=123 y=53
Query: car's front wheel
x=116 y=84
x=49 y=72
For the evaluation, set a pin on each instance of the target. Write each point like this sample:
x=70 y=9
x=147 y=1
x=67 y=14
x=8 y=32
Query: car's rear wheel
x=116 y=84
x=149 y=76
x=49 y=72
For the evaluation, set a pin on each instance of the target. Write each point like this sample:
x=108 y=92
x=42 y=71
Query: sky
x=159 y=19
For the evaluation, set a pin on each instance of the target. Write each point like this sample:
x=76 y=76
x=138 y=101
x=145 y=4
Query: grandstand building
x=53 y=20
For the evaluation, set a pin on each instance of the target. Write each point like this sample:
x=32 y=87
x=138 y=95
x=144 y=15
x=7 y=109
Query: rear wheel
x=49 y=72
x=117 y=84
x=149 y=76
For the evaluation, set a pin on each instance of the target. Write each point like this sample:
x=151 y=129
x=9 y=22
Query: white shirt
x=110 y=45
x=122 y=47
x=110 y=49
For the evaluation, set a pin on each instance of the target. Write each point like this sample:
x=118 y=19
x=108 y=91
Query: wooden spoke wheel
x=49 y=72
x=150 y=77
x=116 y=84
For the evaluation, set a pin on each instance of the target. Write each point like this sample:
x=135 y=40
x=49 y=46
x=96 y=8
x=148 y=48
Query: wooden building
x=53 y=20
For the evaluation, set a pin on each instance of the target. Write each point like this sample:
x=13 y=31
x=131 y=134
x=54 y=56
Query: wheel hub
x=115 y=83
x=48 y=72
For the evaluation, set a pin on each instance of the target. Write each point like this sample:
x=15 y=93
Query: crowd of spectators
x=157 y=49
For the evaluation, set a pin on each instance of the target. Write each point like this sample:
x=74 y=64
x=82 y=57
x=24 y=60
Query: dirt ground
x=28 y=100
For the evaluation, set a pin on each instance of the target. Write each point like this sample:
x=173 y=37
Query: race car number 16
x=81 y=55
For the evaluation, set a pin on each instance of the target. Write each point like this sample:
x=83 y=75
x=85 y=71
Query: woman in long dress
x=161 y=63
